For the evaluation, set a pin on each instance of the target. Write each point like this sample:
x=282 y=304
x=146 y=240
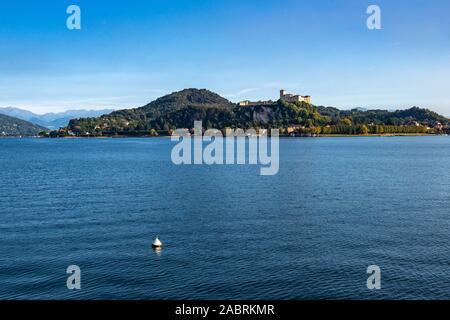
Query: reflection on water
x=157 y=251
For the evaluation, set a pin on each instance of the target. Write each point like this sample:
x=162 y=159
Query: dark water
x=337 y=206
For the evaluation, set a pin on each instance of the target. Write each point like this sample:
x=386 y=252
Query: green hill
x=181 y=109
x=176 y=110
x=10 y=126
x=399 y=117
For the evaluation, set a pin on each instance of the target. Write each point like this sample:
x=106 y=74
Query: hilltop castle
x=283 y=96
x=293 y=98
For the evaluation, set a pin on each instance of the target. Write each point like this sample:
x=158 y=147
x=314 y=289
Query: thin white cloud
x=241 y=92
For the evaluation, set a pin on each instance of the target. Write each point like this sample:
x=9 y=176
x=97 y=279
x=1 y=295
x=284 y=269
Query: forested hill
x=176 y=110
x=10 y=126
x=398 y=117
x=181 y=109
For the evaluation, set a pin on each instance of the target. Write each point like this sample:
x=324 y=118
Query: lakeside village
x=344 y=128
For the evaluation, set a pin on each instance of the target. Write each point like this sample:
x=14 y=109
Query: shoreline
x=281 y=136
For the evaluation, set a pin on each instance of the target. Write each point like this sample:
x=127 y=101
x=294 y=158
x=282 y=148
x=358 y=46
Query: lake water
x=336 y=206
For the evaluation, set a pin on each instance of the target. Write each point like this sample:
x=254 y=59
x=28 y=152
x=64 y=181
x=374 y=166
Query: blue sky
x=131 y=52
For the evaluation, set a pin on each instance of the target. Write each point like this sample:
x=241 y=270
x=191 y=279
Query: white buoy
x=157 y=243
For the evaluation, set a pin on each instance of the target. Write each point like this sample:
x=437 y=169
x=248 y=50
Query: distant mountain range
x=10 y=126
x=52 y=120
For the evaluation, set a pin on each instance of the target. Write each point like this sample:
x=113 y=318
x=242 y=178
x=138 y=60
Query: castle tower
x=282 y=93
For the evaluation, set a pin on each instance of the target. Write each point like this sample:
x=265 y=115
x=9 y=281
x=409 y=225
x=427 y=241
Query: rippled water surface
x=337 y=206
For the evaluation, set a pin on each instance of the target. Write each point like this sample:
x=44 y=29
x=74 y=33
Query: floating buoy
x=157 y=243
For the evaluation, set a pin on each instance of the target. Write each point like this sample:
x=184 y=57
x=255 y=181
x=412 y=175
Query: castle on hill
x=284 y=96
x=294 y=98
